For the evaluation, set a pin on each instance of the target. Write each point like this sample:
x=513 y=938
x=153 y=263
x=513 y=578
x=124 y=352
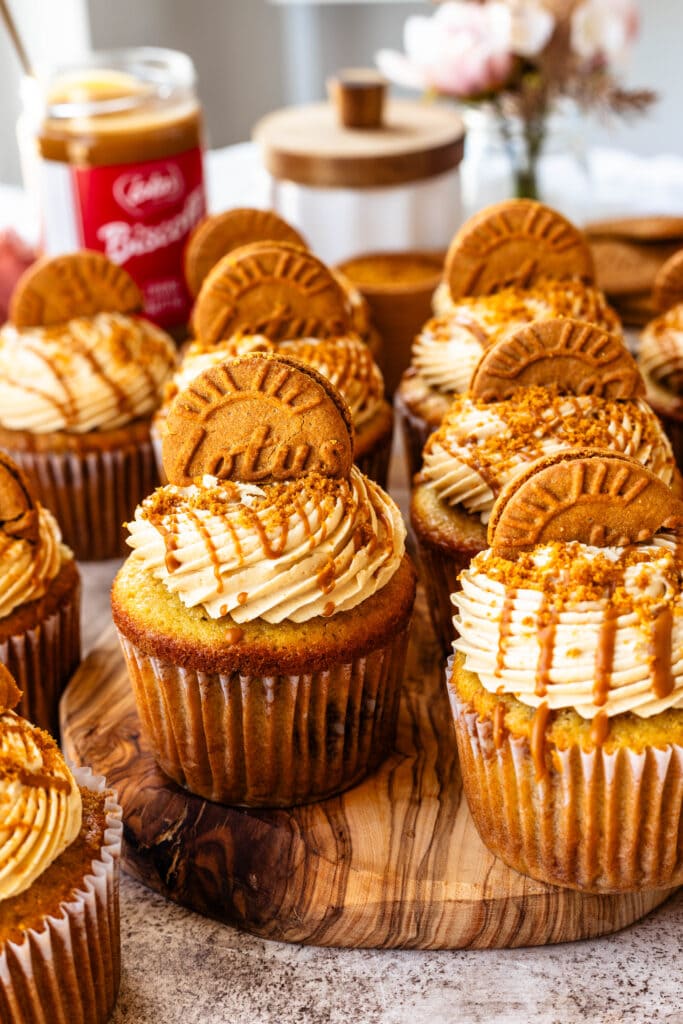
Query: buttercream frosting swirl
x=285 y=551
x=598 y=630
x=345 y=361
x=660 y=358
x=481 y=446
x=447 y=350
x=26 y=569
x=92 y=373
x=41 y=804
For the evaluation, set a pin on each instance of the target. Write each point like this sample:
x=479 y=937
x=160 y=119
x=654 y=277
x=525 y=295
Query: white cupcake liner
x=269 y=741
x=598 y=822
x=92 y=493
x=43 y=659
x=69 y=969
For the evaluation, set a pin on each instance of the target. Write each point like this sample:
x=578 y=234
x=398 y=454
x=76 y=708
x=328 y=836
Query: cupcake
x=551 y=387
x=59 y=926
x=264 y=611
x=80 y=376
x=345 y=361
x=567 y=684
x=512 y=264
x=40 y=600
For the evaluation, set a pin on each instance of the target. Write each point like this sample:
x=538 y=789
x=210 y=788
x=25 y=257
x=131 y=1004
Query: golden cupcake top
x=578 y=602
x=515 y=242
x=480 y=446
x=271 y=288
x=450 y=345
x=265 y=516
x=31 y=552
x=40 y=799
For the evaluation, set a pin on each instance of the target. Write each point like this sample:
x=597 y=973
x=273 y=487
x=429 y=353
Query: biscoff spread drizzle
x=92 y=373
x=284 y=551
x=450 y=345
x=41 y=803
x=345 y=361
x=480 y=446
x=603 y=626
x=660 y=358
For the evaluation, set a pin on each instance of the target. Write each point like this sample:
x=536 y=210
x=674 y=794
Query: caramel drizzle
x=122 y=400
x=270 y=550
x=538 y=729
x=210 y=547
x=599 y=728
x=546 y=643
x=505 y=629
x=663 y=680
x=498 y=725
x=604 y=658
x=37 y=780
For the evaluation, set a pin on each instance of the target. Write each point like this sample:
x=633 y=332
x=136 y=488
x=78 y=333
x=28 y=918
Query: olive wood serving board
x=394 y=862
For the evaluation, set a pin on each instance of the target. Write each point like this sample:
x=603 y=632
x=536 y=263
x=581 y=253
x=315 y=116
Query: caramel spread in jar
x=119 y=149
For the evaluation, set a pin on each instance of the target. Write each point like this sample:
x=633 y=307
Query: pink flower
x=466 y=49
x=603 y=30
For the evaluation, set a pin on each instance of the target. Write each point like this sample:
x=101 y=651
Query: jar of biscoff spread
x=117 y=163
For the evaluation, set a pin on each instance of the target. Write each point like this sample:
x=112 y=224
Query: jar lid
x=359 y=142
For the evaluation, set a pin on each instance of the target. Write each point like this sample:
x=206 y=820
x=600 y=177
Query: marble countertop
x=181 y=968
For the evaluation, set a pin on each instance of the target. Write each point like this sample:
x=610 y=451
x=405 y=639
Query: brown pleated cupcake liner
x=415 y=431
x=269 y=741
x=156 y=448
x=69 y=970
x=439 y=571
x=43 y=659
x=598 y=822
x=92 y=493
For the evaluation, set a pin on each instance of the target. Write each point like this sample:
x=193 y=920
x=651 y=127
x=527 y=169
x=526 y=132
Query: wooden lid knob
x=358 y=94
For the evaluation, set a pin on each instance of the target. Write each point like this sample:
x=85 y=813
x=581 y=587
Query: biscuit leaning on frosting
x=58 y=288
x=276 y=289
x=19 y=517
x=516 y=242
x=588 y=495
x=258 y=418
x=583 y=358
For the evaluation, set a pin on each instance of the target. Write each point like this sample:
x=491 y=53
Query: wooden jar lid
x=311 y=146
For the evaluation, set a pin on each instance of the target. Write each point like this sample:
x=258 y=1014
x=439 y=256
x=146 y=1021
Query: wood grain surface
x=394 y=862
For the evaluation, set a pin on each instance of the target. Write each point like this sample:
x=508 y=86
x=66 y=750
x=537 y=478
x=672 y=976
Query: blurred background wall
x=255 y=55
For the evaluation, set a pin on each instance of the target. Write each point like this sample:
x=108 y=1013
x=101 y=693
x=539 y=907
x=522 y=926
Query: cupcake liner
x=599 y=822
x=69 y=970
x=43 y=659
x=92 y=493
x=156 y=448
x=439 y=571
x=269 y=741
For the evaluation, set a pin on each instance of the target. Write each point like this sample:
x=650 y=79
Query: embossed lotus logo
x=139 y=192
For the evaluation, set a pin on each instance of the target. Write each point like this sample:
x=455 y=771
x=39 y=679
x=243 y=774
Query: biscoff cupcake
x=40 y=590
x=514 y=263
x=346 y=361
x=263 y=613
x=551 y=387
x=80 y=377
x=60 y=846
x=567 y=685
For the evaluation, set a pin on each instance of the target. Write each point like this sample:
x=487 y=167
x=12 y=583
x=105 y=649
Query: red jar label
x=140 y=216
